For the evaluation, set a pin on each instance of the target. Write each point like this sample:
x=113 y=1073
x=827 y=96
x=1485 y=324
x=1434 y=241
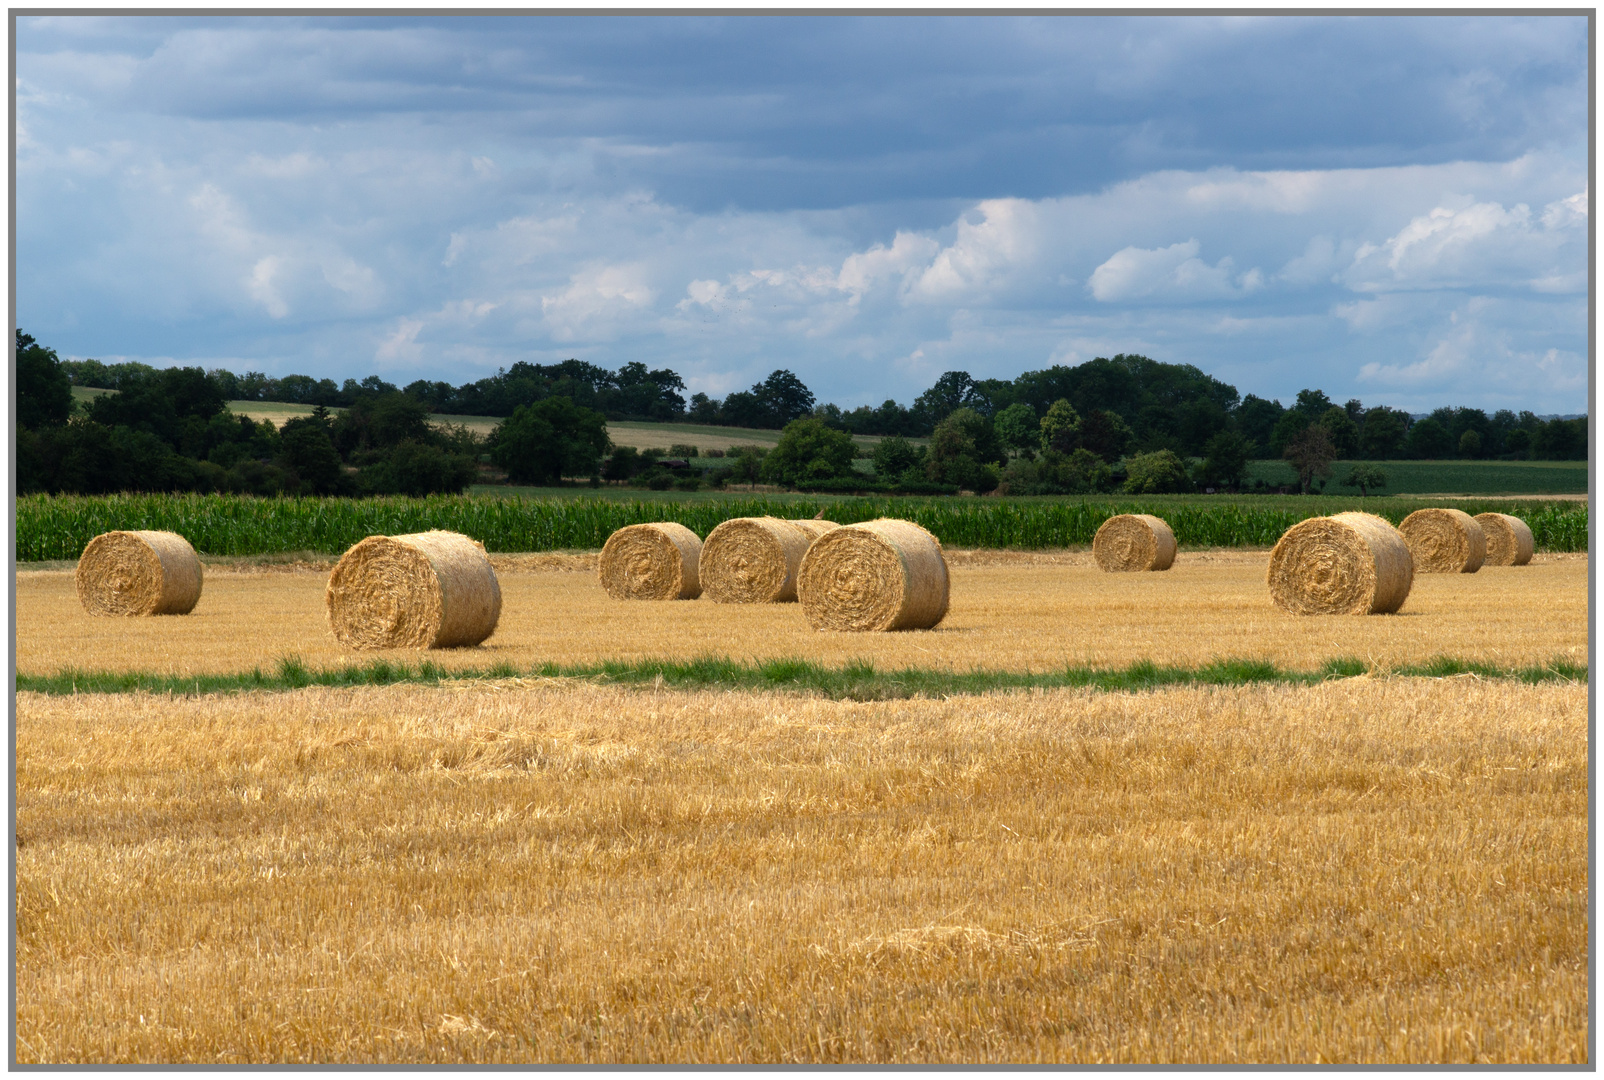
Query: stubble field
x=1378 y=869
x=1366 y=870
x=1012 y=611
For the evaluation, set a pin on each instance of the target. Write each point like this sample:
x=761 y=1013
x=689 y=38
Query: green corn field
x=58 y=527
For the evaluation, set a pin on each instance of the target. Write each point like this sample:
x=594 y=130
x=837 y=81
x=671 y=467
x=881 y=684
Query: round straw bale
x=1134 y=542
x=814 y=527
x=138 y=573
x=1443 y=541
x=1346 y=564
x=656 y=561
x=752 y=561
x=1509 y=539
x=430 y=590
x=879 y=575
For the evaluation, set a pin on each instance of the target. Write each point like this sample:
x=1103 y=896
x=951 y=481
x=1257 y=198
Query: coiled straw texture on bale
x=1346 y=564
x=1134 y=542
x=814 y=527
x=655 y=561
x=138 y=573
x=1509 y=539
x=430 y=590
x=1444 y=541
x=878 y=575
x=752 y=561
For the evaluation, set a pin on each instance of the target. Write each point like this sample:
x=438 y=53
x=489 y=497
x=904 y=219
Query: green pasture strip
x=858 y=681
x=58 y=526
x=1468 y=478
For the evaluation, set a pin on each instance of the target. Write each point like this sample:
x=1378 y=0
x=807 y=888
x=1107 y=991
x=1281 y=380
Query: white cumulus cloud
x=985 y=252
x=1174 y=273
x=908 y=254
x=597 y=301
x=1478 y=244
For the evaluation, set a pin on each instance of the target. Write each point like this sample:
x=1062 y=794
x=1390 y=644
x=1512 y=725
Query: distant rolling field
x=642 y=436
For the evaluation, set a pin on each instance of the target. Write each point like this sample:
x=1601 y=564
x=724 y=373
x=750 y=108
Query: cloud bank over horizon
x=869 y=202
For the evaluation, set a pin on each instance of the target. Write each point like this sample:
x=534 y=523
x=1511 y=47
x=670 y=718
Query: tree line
x=1166 y=406
x=1053 y=430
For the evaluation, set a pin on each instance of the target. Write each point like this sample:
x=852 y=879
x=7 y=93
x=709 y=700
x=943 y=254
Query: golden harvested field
x=1010 y=611
x=1368 y=870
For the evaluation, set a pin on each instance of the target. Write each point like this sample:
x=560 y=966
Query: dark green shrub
x=551 y=439
x=895 y=456
x=809 y=450
x=412 y=468
x=1161 y=472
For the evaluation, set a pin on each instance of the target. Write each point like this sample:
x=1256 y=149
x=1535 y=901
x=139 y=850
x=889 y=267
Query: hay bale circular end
x=431 y=590
x=141 y=572
x=1509 y=539
x=656 y=561
x=1134 y=542
x=1444 y=541
x=878 y=575
x=1346 y=564
x=752 y=561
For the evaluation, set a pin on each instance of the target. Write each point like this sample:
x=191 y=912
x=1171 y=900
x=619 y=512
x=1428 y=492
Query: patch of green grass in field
x=856 y=681
x=1445 y=477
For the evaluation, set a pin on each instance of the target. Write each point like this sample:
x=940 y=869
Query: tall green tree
x=1225 y=460
x=1343 y=431
x=964 y=451
x=1312 y=403
x=1017 y=428
x=809 y=449
x=44 y=393
x=1256 y=418
x=1429 y=438
x=1310 y=455
x=1383 y=434
x=306 y=450
x=551 y=439
x=953 y=391
x=1105 y=434
x=1060 y=428
x=783 y=397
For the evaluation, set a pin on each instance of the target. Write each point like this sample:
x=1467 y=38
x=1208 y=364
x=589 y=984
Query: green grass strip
x=858 y=681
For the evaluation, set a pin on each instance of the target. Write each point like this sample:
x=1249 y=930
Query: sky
x=1383 y=207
